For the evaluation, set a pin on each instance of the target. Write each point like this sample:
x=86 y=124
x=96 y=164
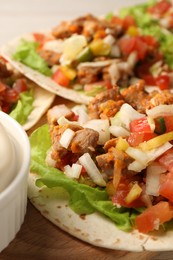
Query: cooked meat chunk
x=107 y=161
x=140 y=100
x=86 y=25
x=97 y=107
x=109 y=108
x=84 y=141
x=61 y=155
x=59 y=130
x=66 y=29
x=88 y=75
x=4 y=72
x=136 y=96
x=62 y=30
x=50 y=57
x=110 y=143
x=164 y=97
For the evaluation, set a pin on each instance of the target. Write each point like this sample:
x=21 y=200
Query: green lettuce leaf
x=139 y=12
x=83 y=199
x=27 y=54
x=150 y=26
x=24 y=107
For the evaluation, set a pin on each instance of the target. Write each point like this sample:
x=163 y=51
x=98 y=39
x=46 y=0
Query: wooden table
x=38 y=238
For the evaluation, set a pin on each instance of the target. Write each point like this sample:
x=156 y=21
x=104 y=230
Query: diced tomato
x=40 y=38
x=171 y=20
x=83 y=171
x=128 y=45
x=117 y=21
x=2 y=87
x=152 y=217
x=121 y=193
x=5 y=107
x=160 y=8
x=149 y=40
x=169 y=123
x=60 y=78
x=128 y=21
x=143 y=69
x=166 y=160
x=140 y=125
x=163 y=82
x=166 y=186
x=11 y=95
x=136 y=138
x=149 y=79
x=73 y=117
x=20 y=85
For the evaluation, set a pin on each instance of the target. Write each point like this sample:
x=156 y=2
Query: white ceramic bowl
x=13 y=198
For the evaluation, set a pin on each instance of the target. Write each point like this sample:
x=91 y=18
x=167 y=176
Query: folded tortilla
x=95 y=228
x=42 y=101
x=43 y=81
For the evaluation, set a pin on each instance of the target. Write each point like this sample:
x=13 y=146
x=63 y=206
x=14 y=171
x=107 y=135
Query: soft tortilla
x=94 y=229
x=42 y=101
x=43 y=81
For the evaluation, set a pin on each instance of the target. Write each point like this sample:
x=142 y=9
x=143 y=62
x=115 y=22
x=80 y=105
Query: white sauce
x=7 y=158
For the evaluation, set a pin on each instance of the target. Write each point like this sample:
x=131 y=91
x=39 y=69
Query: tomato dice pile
x=11 y=86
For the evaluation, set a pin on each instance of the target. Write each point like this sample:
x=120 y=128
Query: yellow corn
x=156 y=141
x=68 y=72
x=100 y=48
x=132 y=31
x=133 y=194
x=122 y=144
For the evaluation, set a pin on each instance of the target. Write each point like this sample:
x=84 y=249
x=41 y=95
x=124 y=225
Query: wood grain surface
x=40 y=239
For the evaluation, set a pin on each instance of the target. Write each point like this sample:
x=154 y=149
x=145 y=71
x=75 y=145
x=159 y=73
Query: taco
x=88 y=55
x=21 y=98
x=103 y=172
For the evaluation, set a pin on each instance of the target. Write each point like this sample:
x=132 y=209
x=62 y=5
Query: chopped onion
x=49 y=161
x=155 y=153
x=114 y=73
x=66 y=138
x=109 y=39
x=94 y=64
x=150 y=89
x=73 y=171
x=161 y=110
x=118 y=131
x=115 y=51
x=136 y=166
x=138 y=155
x=63 y=121
x=102 y=127
x=92 y=170
x=128 y=114
x=142 y=159
x=54 y=45
x=153 y=178
x=132 y=59
x=81 y=111
x=58 y=111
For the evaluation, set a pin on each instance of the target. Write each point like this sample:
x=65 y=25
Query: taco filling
x=90 y=54
x=113 y=156
x=20 y=97
x=16 y=94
